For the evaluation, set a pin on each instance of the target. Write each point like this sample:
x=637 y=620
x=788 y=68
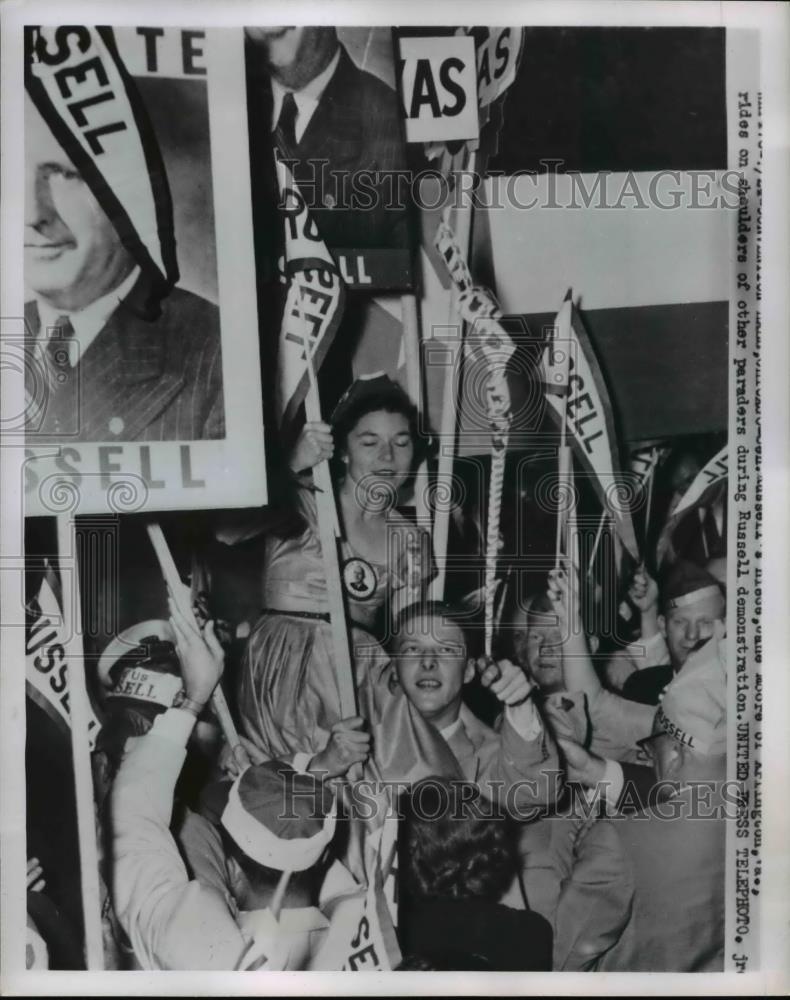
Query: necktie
x=59 y=370
x=285 y=132
x=60 y=412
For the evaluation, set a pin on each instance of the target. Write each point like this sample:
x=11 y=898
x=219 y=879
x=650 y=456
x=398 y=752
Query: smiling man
x=515 y=765
x=692 y=601
x=104 y=364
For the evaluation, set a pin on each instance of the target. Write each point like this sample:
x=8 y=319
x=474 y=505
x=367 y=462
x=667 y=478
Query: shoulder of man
x=477 y=732
x=366 y=89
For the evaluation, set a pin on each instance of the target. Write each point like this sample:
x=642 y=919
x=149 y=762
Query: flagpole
x=411 y=352
x=329 y=531
x=597 y=541
x=179 y=591
x=80 y=713
x=448 y=430
x=495 y=488
x=563 y=467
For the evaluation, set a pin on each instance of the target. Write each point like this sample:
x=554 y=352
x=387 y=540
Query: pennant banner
x=314 y=304
x=590 y=424
x=361 y=936
x=486 y=341
x=497 y=55
x=644 y=463
x=708 y=482
x=498 y=51
x=709 y=477
x=80 y=86
x=46 y=667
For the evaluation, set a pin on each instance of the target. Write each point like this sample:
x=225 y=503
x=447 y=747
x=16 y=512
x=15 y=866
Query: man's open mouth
x=429 y=684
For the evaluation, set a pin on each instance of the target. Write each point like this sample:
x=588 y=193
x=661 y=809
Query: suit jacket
x=141 y=379
x=677 y=863
x=356 y=127
x=519 y=774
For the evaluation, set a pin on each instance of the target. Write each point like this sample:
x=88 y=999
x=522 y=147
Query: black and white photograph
x=394 y=487
x=138 y=316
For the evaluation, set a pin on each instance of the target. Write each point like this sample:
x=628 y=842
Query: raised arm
x=172 y=922
x=578 y=671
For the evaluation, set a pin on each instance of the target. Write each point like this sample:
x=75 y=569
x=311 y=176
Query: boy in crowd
x=263 y=913
x=517 y=764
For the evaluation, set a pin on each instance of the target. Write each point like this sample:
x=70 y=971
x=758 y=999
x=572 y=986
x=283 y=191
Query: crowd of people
x=557 y=803
x=579 y=827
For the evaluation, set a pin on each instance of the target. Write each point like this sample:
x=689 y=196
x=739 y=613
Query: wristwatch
x=187 y=704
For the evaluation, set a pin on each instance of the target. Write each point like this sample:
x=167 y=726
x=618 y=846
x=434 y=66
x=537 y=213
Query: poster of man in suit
x=133 y=321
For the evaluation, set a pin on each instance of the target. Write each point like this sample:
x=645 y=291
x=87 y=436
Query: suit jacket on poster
x=141 y=379
x=356 y=127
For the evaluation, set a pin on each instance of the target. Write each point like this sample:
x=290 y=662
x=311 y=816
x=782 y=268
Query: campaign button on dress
x=116 y=426
x=329 y=201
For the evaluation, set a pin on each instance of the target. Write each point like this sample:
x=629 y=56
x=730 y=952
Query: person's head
x=689 y=735
x=275 y=820
x=537 y=643
x=73 y=253
x=431 y=660
x=295 y=55
x=376 y=435
x=140 y=674
x=691 y=602
x=455 y=843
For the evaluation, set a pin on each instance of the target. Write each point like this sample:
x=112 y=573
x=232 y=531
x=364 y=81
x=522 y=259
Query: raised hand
x=506 y=680
x=315 y=443
x=643 y=591
x=581 y=766
x=348 y=744
x=563 y=592
x=201 y=655
x=228 y=761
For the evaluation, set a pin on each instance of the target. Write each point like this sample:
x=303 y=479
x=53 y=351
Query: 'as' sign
x=439 y=88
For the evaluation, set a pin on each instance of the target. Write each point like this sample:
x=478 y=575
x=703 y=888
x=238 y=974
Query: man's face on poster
x=73 y=254
x=294 y=54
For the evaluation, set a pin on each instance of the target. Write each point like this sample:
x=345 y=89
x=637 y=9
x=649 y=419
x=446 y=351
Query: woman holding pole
x=289 y=699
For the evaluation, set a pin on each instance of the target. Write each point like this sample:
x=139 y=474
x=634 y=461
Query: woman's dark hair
x=391 y=399
x=456 y=844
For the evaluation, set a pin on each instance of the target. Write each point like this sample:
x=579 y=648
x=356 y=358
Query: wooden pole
x=329 y=532
x=79 y=711
x=563 y=469
x=448 y=430
x=495 y=487
x=182 y=598
x=597 y=541
x=411 y=352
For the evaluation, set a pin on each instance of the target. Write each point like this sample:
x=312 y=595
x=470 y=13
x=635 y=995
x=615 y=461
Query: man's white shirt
x=306 y=99
x=87 y=323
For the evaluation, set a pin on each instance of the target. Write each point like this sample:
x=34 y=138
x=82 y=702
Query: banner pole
x=81 y=759
x=181 y=596
x=597 y=542
x=448 y=430
x=495 y=488
x=411 y=350
x=563 y=467
x=329 y=530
